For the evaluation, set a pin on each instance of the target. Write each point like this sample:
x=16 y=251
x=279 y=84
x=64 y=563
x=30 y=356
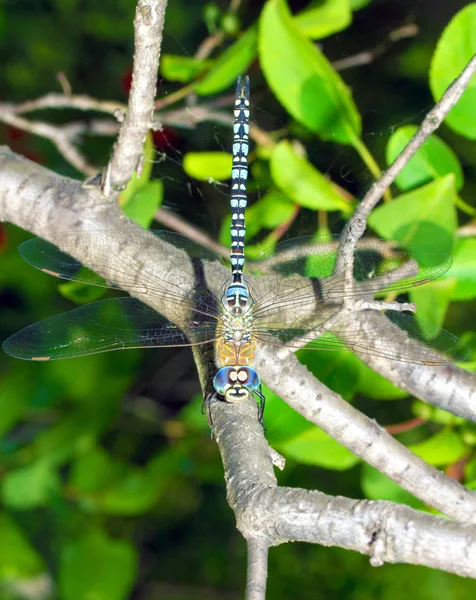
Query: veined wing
x=302 y=271
x=118 y=255
x=112 y=324
x=394 y=335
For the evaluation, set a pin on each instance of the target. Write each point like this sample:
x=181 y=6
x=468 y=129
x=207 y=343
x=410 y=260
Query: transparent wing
x=302 y=271
x=140 y=275
x=112 y=324
x=392 y=336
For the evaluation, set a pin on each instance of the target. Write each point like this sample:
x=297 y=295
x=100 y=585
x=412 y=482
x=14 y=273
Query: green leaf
x=138 y=181
x=182 y=68
x=303 y=80
x=15 y=393
x=443 y=448
x=315 y=447
x=233 y=62
x=299 y=180
x=425 y=216
x=97 y=567
x=80 y=293
x=30 y=487
x=432 y=300
x=144 y=204
x=433 y=160
x=270 y=211
x=454 y=50
x=18 y=558
x=435 y=415
x=323 y=18
x=208 y=166
x=375 y=386
x=105 y=485
x=282 y=422
x=291 y=434
x=463 y=269
x=95 y=471
x=377 y=486
x=337 y=370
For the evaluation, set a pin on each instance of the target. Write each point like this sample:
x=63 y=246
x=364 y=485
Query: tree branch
x=148 y=27
x=285 y=376
x=40 y=201
x=271 y=515
x=430 y=123
x=67 y=205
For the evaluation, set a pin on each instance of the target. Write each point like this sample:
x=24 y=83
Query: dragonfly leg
x=261 y=403
x=206 y=408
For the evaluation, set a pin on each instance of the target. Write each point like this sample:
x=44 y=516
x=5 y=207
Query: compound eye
x=224 y=379
x=249 y=378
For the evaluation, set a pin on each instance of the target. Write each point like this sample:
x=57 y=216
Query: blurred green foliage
x=109 y=481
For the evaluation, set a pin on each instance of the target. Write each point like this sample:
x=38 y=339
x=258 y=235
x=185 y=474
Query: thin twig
x=176 y=223
x=405 y=426
x=62 y=137
x=431 y=122
x=368 y=56
x=208 y=45
x=77 y=101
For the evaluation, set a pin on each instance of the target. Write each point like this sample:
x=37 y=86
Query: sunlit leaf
x=80 y=293
x=337 y=370
x=373 y=385
x=208 y=166
x=143 y=206
x=377 y=486
x=138 y=181
x=432 y=300
x=455 y=48
x=182 y=68
x=294 y=437
x=433 y=160
x=442 y=448
x=315 y=447
x=302 y=182
x=463 y=269
x=322 y=19
x=303 y=80
x=270 y=211
x=427 y=412
x=425 y=216
x=231 y=63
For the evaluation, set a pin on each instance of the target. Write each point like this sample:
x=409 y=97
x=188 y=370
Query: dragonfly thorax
x=237 y=300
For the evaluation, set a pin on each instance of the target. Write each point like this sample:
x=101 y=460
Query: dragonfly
x=293 y=296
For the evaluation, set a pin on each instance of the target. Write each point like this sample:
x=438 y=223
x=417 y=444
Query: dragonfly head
x=236 y=383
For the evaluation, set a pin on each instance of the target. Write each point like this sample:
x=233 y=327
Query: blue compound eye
x=234 y=382
x=222 y=381
x=251 y=382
